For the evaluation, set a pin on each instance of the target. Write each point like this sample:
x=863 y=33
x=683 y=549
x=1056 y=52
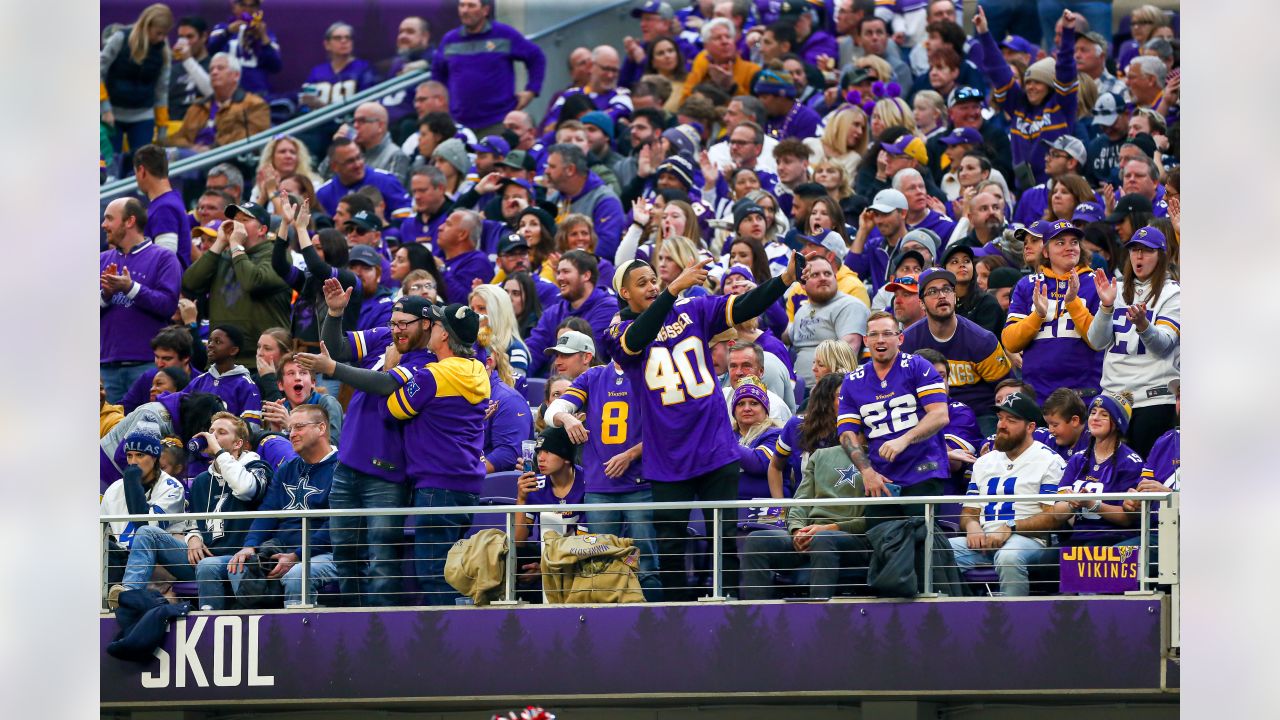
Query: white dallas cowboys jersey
x=1036 y=471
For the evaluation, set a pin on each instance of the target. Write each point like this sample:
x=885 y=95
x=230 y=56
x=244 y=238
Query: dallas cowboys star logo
x=848 y=476
x=299 y=494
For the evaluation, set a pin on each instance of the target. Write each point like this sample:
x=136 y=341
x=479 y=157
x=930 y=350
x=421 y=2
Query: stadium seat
x=534 y=390
x=499 y=485
x=801 y=390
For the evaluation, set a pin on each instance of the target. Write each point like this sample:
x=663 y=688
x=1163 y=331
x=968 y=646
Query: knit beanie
x=1041 y=71
x=454 y=153
x=143 y=442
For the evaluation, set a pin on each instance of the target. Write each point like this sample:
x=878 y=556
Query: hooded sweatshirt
x=229 y=485
x=444 y=404
x=236 y=388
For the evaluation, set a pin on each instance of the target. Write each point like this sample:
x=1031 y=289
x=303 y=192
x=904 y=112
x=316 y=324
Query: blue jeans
x=1011 y=561
x=1014 y=17
x=117 y=379
x=139 y=133
x=830 y=552
x=433 y=536
x=152 y=546
x=212 y=574
x=372 y=539
x=1097 y=12
x=639 y=528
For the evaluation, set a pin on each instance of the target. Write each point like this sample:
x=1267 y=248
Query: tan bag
x=590 y=568
x=474 y=566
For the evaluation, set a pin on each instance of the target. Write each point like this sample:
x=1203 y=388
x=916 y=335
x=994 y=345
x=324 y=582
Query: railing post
x=509 y=568
x=306 y=566
x=717 y=556
x=928 y=549
x=104 y=544
x=1144 y=546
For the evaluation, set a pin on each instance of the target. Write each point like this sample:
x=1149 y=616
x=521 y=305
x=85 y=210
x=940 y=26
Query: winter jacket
x=589 y=569
x=475 y=567
x=243 y=290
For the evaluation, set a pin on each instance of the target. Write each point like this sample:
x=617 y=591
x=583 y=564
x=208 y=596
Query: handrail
x=1148 y=497
x=306 y=121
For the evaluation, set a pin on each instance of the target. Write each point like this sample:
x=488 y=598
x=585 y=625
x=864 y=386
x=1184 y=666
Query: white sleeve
x=245 y=483
x=556 y=407
x=169 y=498
x=627 y=248
x=199 y=76
x=1101 y=333
x=168 y=241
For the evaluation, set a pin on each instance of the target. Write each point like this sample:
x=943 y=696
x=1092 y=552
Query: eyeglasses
x=357 y=230
x=935 y=292
x=742 y=142
x=878 y=335
x=1059 y=154
x=405 y=324
x=365 y=120
x=422 y=287
x=291 y=428
x=340 y=37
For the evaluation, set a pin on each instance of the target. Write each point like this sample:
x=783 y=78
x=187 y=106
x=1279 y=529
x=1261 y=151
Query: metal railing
x=715 y=587
x=555 y=75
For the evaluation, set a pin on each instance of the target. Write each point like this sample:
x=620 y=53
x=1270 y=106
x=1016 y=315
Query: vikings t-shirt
x=883 y=410
x=1119 y=473
x=565 y=523
x=975 y=360
x=612 y=427
x=1058 y=356
x=683 y=417
x=1165 y=458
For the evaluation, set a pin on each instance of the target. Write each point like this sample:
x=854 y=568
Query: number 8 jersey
x=684 y=420
x=882 y=410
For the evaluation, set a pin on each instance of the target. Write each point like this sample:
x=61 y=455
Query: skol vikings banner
x=1099 y=569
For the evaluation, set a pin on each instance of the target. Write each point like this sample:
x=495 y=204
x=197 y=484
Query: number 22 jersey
x=684 y=420
x=883 y=410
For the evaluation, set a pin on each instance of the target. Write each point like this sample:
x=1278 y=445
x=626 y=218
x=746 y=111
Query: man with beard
x=577 y=274
x=999 y=533
x=975 y=358
x=880 y=230
x=827 y=315
x=413 y=53
x=371 y=460
x=985 y=213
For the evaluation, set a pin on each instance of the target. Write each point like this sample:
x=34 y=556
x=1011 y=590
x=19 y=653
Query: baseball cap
x=857 y=76
x=572 y=342
x=1069 y=145
x=415 y=305
x=514 y=160
x=1039 y=228
x=1003 y=277
x=1127 y=205
x=252 y=209
x=738 y=269
x=460 y=320
x=210 y=228
x=1107 y=109
x=1063 y=227
x=555 y=440
x=830 y=241
x=495 y=144
x=599 y=120
x=1144 y=142
x=366 y=255
x=1095 y=37
x=654 y=7
x=954 y=249
x=522 y=182
x=514 y=241
x=965 y=94
x=1019 y=405
x=1087 y=212
x=909 y=146
x=909 y=255
x=1020 y=44
x=931 y=274
x=1147 y=237
x=888 y=200
x=962 y=136
x=365 y=220
x=909 y=283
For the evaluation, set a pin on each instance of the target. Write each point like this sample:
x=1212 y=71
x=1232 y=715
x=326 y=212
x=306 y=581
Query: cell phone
x=894 y=489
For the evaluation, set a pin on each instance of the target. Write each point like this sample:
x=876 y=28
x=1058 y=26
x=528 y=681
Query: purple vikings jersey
x=975 y=360
x=883 y=410
x=604 y=392
x=1165 y=458
x=1119 y=473
x=333 y=88
x=444 y=403
x=565 y=523
x=167 y=215
x=1058 y=356
x=677 y=391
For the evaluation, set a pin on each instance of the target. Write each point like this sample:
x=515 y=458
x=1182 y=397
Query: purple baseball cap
x=961 y=136
x=1039 y=228
x=1063 y=227
x=1087 y=212
x=1147 y=237
x=495 y=144
x=934 y=273
x=1019 y=44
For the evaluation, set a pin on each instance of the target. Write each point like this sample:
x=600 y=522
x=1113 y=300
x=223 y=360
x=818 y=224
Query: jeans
x=433 y=536
x=212 y=573
x=152 y=546
x=1096 y=12
x=117 y=379
x=1014 y=17
x=372 y=539
x=830 y=551
x=139 y=134
x=639 y=528
x=1011 y=561
x=719 y=484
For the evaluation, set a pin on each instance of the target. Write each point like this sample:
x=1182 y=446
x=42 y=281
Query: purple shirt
x=168 y=215
x=604 y=393
x=940 y=224
x=800 y=122
x=236 y=389
x=545 y=495
x=1058 y=356
x=975 y=360
x=461 y=270
x=1118 y=473
x=128 y=320
x=338 y=87
x=598 y=310
x=387 y=183
x=444 y=402
x=883 y=410
x=1165 y=457
x=678 y=394
x=479 y=70
x=510 y=423
x=755 y=459
x=615 y=103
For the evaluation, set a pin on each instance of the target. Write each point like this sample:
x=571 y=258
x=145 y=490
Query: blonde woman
x=676 y=253
x=844 y=140
x=492 y=301
x=134 y=67
x=833 y=176
x=833 y=357
x=892 y=112
x=282 y=158
x=1143 y=21
x=929 y=110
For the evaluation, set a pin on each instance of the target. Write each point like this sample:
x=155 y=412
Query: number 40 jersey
x=684 y=420
x=883 y=410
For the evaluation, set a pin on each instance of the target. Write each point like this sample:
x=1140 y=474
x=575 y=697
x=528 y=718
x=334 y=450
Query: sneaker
x=113 y=596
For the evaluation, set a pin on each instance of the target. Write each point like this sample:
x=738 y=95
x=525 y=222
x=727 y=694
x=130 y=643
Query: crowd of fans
x=758 y=250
